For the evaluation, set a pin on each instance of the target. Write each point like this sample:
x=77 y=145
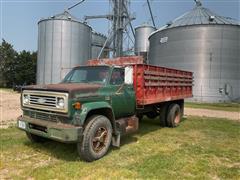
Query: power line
x=75 y=4
x=150 y=10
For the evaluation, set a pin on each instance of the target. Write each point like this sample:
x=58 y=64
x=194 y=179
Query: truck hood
x=71 y=88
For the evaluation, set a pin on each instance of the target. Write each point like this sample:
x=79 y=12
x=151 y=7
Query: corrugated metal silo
x=206 y=44
x=63 y=42
x=98 y=41
x=141 y=39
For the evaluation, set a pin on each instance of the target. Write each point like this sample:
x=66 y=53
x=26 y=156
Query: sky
x=19 y=18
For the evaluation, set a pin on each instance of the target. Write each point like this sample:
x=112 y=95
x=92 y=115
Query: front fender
x=87 y=107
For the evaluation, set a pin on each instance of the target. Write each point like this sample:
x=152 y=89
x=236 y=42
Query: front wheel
x=97 y=137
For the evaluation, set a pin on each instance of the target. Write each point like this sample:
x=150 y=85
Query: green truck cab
x=92 y=107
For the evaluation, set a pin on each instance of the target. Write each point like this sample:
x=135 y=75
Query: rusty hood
x=71 y=88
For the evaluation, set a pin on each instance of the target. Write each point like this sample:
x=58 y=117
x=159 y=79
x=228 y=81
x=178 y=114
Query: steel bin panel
x=210 y=51
x=63 y=42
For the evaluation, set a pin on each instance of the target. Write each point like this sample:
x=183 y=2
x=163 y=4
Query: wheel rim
x=177 y=117
x=99 y=140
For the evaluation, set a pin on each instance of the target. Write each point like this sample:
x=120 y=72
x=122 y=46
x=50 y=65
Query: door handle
x=119 y=93
x=120 y=90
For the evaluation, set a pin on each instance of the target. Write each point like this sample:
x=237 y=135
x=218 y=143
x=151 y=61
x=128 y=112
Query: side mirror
x=128 y=79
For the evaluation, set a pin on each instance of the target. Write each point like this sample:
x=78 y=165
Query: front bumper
x=56 y=131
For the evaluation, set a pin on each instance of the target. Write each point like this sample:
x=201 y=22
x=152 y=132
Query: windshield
x=88 y=74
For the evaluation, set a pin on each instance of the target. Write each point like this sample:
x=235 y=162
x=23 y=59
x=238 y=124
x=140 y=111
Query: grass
x=6 y=89
x=200 y=148
x=232 y=107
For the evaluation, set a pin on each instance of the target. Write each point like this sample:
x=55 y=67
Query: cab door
x=122 y=95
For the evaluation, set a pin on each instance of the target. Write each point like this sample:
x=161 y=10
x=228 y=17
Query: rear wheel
x=163 y=116
x=35 y=138
x=97 y=138
x=174 y=115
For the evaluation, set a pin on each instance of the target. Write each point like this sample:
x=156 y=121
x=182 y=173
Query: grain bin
x=98 y=41
x=141 y=39
x=63 y=42
x=207 y=44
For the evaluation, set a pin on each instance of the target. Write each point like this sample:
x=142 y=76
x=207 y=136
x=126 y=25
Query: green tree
x=25 y=68
x=7 y=58
x=16 y=68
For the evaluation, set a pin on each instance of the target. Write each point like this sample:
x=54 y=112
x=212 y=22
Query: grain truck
x=96 y=104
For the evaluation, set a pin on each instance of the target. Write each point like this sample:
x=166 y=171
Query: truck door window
x=117 y=77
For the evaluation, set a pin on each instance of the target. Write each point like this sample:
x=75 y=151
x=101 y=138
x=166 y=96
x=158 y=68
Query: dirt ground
x=212 y=113
x=10 y=110
x=9 y=107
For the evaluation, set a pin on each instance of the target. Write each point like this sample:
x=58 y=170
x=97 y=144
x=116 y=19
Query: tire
x=34 y=138
x=173 y=115
x=162 y=116
x=96 y=140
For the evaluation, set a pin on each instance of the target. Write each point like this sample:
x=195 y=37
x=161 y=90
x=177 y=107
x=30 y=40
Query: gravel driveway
x=212 y=113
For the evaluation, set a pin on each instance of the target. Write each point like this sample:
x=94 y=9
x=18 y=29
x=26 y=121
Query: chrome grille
x=45 y=100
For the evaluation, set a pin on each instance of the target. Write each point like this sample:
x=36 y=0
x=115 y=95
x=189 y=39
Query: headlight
x=26 y=99
x=60 y=103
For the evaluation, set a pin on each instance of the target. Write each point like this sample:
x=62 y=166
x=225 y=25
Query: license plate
x=21 y=124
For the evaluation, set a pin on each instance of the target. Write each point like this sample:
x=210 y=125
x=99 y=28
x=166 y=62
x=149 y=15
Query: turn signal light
x=77 y=105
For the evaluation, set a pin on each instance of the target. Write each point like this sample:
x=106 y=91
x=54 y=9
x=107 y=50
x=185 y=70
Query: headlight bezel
x=61 y=104
x=25 y=99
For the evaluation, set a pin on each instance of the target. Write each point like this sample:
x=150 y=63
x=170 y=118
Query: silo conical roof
x=65 y=15
x=62 y=16
x=200 y=15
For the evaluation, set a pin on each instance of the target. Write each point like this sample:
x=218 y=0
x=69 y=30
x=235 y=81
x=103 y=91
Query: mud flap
x=116 y=140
